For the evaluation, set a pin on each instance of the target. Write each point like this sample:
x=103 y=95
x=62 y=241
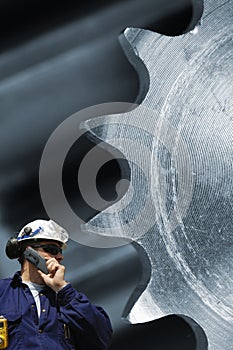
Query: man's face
x=49 y=249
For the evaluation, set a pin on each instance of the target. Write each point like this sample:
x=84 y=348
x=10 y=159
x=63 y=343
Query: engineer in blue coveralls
x=44 y=311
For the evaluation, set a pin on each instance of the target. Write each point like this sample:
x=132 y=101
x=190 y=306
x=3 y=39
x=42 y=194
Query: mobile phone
x=36 y=259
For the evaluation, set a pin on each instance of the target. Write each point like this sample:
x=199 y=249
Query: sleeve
x=89 y=324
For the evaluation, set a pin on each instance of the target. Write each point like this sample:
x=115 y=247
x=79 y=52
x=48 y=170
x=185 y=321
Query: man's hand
x=55 y=278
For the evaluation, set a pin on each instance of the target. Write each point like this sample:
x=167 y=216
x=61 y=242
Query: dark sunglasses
x=48 y=248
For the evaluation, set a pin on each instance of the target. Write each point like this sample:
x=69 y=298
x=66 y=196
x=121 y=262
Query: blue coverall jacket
x=68 y=320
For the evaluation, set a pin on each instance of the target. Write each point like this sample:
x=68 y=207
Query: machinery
x=178 y=142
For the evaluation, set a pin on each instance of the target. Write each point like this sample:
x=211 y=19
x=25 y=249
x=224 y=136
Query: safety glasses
x=48 y=248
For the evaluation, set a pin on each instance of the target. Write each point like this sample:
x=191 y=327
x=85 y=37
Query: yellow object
x=3 y=333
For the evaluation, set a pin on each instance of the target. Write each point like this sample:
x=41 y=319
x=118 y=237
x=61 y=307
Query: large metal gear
x=179 y=146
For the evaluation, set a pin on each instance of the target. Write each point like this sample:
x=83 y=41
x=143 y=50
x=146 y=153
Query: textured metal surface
x=179 y=144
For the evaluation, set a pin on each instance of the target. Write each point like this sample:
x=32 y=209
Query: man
x=44 y=311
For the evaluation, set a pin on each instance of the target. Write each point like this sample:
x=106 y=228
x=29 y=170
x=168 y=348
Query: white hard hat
x=44 y=229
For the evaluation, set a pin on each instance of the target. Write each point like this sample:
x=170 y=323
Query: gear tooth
x=99 y=127
x=103 y=126
x=133 y=42
x=135 y=39
x=129 y=39
x=104 y=224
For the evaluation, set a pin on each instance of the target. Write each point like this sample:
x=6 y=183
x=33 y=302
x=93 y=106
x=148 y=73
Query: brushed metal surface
x=178 y=143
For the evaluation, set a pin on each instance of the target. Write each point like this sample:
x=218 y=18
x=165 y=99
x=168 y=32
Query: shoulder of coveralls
x=15 y=280
x=4 y=286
